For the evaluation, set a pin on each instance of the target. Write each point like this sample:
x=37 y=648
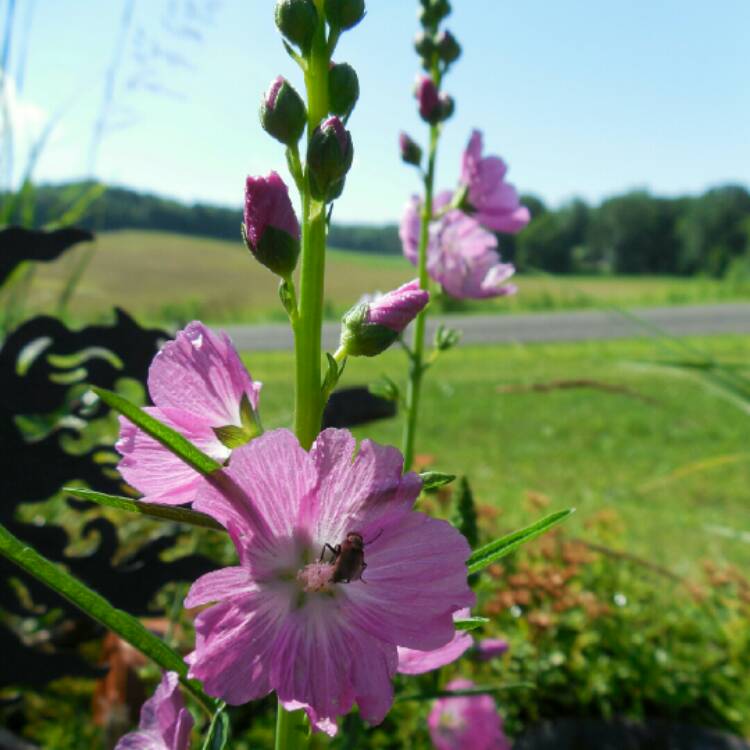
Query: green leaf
x=487 y=554
x=219 y=731
x=431 y=480
x=97 y=607
x=385 y=388
x=154 y=510
x=232 y=436
x=169 y=438
x=470 y=623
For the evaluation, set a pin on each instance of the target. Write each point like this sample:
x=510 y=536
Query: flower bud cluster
x=270 y=227
x=436 y=48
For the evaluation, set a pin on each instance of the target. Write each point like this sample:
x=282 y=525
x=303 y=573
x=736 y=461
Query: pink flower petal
x=153 y=469
x=200 y=372
x=414 y=610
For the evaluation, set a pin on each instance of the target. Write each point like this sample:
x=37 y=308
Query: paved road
x=567 y=326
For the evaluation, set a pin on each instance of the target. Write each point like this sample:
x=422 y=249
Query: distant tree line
x=632 y=233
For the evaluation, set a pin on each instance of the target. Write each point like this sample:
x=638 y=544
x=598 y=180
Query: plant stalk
x=416 y=362
x=291 y=727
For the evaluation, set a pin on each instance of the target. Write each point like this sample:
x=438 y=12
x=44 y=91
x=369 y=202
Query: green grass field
x=171 y=278
x=670 y=457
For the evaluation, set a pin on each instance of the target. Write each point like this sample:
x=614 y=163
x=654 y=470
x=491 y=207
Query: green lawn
x=670 y=457
x=164 y=277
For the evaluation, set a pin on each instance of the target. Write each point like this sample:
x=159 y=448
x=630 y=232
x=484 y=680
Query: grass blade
x=97 y=607
x=487 y=554
x=153 y=510
x=169 y=438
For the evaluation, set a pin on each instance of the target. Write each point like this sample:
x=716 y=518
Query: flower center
x=316 y=577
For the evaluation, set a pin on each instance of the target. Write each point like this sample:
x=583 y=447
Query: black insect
x=348 y=558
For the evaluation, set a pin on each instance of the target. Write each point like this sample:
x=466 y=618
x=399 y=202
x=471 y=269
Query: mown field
x=668 y=458
x=171 y=278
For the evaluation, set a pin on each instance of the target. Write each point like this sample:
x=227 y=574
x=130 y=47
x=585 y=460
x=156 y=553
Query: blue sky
x=582 y=98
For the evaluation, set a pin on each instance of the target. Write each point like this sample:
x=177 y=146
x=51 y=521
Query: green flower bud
x=448 y=48
x=344 y=14
x=329 y=158
x=411 y=152
x=343 y=89
x=297 y=21
x=282 y=112
x=424 y=44
x=360 y=337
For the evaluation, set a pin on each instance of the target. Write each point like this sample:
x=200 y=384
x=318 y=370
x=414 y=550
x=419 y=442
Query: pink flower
x=466 y=722
x=412 y=661
x=490 y=648
x=294 y=616
x=493 y=201
x=165 y=722
x=461 y=255
x=200 y=388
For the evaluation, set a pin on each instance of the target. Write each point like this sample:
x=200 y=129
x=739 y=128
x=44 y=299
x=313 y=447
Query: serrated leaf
x=493 y=551
x=431 y=480
x=219 y=732
x=153 y=510
x=97 y=607
x=169 y=438
x=470 y=623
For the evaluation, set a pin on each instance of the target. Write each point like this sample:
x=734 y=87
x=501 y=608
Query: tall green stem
x=308 y=398
x=416 y=365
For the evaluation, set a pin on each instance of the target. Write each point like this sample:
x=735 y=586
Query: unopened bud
x=411 y=152
x=329 y=158
x=447 y=107
x=428 y=99
x=343 y=89
x=432 y=13
x=344 y=14
x=448 y=48
x=424 y=44
x=370 y=328
x=282 y=112
x=271 y=230
x=297 y=21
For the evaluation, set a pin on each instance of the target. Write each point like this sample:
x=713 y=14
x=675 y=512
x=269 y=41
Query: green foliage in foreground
x=601 y=634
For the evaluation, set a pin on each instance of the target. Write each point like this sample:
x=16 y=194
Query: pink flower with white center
x=493 y=202
x=466 y=722
x=461 y=255
x=319 y=624
x=165 y=722
x=200 y=388
x=412 y=661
